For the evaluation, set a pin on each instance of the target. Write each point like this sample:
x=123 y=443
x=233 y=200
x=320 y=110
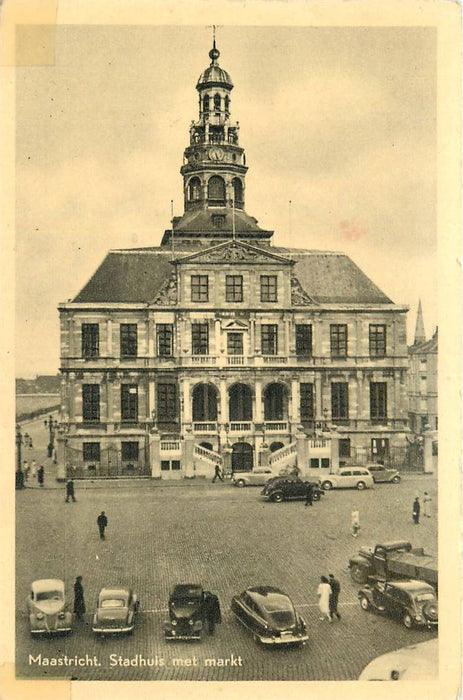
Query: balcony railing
x=205 y=427
x=276 y=426
x=235 y=360
x=170 y=446
x=240 y=427
x=274 y=360
x=203 y=359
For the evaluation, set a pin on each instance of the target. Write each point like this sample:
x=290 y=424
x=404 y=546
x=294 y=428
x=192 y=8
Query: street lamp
x=52 y=425
x=21 y=440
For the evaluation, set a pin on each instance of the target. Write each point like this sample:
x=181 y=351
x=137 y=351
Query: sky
x=341 y=121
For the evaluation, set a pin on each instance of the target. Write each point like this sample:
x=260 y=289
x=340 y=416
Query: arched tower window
x=216 y=190
x=238 y=192
x=227 y=103
x=194 y=189
x=275 y=402
x=217 y=102
x=204 y=403
x=206 y=103
x=240 y=403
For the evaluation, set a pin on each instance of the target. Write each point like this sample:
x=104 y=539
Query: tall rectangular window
x=165 y=339
x=91 y=451
x=91 y=402
x=129 y=342
x=166 y=402
x=234 y=288
x=378 y=401
x=338 y=340
x=344 y=447
x=129 y=451
x=379 y=448
x=129 y=402
x=199 y=288
x=339 y=401
x=90 y=340
x=304 y=339
x=268 y=288
x=377 y=338
x=307 y=401
x=234 y=343
x=200 y=338
x=269 y=339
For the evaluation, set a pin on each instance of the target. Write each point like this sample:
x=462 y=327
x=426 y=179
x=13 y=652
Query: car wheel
x=361 y=485
x=359 y=574
x=396 y=480
x=407 y=621
x=277 y=497
x=365 y=603
x=430 y=611
x=316 y=497
x=327 y=485
x=240 y=483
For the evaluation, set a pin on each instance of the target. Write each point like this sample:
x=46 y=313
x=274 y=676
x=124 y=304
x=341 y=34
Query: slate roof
x=136 y=275
x=425 y=346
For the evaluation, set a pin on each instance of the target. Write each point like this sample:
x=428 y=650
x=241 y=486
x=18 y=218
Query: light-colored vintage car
x=116 y=611
x=348 y=478
x=418 y=662
x=45 y=604
x=258 y=477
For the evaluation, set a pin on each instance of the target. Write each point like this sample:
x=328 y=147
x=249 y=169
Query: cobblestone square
x=226 y=539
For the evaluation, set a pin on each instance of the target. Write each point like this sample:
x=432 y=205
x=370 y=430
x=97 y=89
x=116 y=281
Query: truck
x=393 y=560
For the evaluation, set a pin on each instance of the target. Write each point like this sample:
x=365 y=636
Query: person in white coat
x=323 y=593
x=355 y=521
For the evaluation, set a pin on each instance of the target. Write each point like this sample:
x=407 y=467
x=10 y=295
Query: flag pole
x=172 y=222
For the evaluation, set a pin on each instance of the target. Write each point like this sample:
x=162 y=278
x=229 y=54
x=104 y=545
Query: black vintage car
x=269 y=615
x=413 y=602
x=193 y=612
x=285 y=488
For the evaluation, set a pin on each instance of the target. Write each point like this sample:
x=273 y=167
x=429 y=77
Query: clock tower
x=214 y=167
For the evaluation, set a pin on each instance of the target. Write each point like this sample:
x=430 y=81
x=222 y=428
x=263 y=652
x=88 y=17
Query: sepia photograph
x=227 y=282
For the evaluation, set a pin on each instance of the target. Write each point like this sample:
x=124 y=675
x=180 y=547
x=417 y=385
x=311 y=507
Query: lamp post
x=21 y=440
x=52 y=425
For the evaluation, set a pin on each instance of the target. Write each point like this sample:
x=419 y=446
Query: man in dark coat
x=217 y=474
x=416 y=511
x=308 y=494
x=102 y=522
x=79 y=602
x=212 y=611
x=70 y=491
x=40 y=475
x=334 y=597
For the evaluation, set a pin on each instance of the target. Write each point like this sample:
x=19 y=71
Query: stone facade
x=218 y=348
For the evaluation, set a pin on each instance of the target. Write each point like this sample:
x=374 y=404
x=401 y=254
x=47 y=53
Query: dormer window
x=218 y=220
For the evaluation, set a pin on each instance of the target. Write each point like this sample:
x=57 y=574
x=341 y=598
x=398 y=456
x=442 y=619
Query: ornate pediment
x=168 y=294
x=298 y=296
x=235 y=251
x=234 y=325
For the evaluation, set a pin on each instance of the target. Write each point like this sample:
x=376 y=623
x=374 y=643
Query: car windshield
x=49 y=595
x=422 y=597
x=113 y=603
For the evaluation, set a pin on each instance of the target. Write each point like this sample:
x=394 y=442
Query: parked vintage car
x=382 y=474
x=258 y=477
x=413 y=602
x=418 y=662
x=348 y=478
x=284 y=488
x=116 y=611
x=193 y=612
x=269 y=615
x=45 y=604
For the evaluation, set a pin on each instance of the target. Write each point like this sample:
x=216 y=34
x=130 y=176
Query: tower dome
x=214 y=75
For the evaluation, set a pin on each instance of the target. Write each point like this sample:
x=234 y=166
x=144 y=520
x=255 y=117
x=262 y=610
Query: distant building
x=42 y=384
x=422 y=379
x=218 y=348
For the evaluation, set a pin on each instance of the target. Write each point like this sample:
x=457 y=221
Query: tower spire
x=420 y=335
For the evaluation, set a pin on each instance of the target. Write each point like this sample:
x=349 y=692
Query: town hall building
x=217 y=347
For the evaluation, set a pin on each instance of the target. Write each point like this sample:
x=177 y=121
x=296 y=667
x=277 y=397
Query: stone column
x=109 y=337
x=224 y=417
x=61 y=457
x=258 y=401
x=155 y=453
x=301 y=451
x=227 y=459
x=334 y=466
x=264 y=454
x=287 y=338
x=188 y=446
x=295 y=401
x=186 y=401
x=428 y=462
x=318 y=385
x=151 y=330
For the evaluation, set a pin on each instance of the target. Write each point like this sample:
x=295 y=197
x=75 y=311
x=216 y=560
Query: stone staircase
x=206 y=460
x=286 y=456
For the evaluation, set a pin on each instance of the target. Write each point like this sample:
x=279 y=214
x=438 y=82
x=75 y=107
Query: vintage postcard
x=236 y=350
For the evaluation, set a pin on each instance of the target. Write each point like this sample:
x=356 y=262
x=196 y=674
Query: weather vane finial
x=214 y=53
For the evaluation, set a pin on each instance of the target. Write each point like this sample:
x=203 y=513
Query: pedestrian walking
x=308 y=494
x=217 y=474
x=79 y=601
x=70 y=491
x=26 y=469
x=212 y=611
x=323 y=593
x=19 y=480
x=426 y=502
x=334 y=596
x=102 y=522
x=40 y=475
x=33 y=468
x=416 y=511
x=355 y=521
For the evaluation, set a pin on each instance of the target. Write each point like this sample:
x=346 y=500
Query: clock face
x=216 y=153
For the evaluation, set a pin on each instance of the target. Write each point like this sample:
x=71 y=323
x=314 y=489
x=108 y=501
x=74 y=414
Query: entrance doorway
x=242 y=458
